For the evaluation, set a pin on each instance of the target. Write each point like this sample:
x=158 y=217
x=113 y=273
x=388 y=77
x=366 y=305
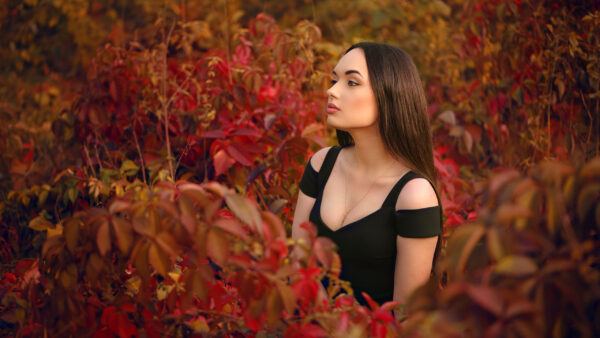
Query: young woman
x=373 y=194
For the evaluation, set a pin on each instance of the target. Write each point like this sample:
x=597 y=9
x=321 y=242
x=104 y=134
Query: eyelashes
x=351 y=83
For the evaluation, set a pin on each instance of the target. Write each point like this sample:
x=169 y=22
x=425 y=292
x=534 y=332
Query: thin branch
x=87 y=155
x=165 y=108
x=142 y=161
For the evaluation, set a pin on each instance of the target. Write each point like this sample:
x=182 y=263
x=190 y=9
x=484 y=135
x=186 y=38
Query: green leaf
x=518 y=95
x=129 y=168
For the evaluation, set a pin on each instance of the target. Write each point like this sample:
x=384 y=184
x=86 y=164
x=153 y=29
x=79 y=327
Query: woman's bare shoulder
x=416 y=194
x=317 y=159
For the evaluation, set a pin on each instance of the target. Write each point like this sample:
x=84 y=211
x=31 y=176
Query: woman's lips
x=332 y=108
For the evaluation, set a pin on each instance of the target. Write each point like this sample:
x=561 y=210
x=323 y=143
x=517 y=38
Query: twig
x=87 y=155
x=97 y=156
x=228 y=22
x=165 y=109
x=589 y=115
x=137 y=144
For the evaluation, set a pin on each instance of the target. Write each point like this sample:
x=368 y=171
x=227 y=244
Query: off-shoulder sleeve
x=309 y=184
x=418 y=223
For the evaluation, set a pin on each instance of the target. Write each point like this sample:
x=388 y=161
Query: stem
x=87 y=155
x=137 y=145
x=228 y=22
x=98 y=156
x=165 y=105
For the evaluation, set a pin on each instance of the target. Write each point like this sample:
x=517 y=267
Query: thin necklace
x=355 y=204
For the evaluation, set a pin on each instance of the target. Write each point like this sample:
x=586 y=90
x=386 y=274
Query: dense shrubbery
x=150 y=192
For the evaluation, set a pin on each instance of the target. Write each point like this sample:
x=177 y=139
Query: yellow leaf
x=163 y=291
x=55 y=232
x=40 y=223
x=516 y=266
x=494 y=244
x=133 y=284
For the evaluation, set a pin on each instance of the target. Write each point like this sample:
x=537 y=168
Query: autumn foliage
x=149 y=173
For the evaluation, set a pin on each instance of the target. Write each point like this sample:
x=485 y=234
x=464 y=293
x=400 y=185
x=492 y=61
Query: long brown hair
x=402 y=106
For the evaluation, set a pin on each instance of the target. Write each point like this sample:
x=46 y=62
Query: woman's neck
x=369 y=155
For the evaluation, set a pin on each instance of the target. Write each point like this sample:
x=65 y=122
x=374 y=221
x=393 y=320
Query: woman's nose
x=331 y=91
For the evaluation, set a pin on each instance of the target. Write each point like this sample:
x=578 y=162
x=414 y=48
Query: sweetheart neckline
x=347 y=225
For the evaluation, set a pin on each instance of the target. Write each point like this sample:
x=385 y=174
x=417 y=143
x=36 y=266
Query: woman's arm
x=413 y=265
x=414 y=256
x=305 y=203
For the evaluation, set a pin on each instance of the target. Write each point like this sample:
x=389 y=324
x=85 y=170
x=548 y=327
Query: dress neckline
x=385 y=204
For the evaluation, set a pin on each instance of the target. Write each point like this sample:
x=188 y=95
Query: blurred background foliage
x=104 y=99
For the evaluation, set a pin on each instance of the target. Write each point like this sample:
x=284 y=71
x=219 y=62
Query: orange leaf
x=274 y=306
x=118 y=206
x=245 y=210
x=222 y=162
x=167 y=243
x=71 y=233
x=103 y=238
x=217 y=246
x=232 y=226
x=275 y=225
x=140 y=259
x=158 y=260
x=195 y=284
x=124 y=234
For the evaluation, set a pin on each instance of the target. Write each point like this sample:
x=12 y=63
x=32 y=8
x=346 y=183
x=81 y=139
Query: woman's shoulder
x=317 y=159
x=417 y=193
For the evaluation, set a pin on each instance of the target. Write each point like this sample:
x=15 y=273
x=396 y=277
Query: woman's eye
x=352 y=83
x=333 y=82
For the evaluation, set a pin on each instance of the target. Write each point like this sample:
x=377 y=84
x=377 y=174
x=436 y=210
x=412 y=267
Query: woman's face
x=351 y=102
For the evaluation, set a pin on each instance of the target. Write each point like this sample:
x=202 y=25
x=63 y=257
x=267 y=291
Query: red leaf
x=213 y=134
x=106 y=313
x=238 y=155
x=128 y=307
x=372 y=304
x=232 y=226
x=486 y=297
x=124 y=327
x=222 y=162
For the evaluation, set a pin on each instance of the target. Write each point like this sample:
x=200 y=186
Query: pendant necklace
x=355 y=204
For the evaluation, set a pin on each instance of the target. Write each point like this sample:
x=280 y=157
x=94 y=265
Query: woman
x=373 y=195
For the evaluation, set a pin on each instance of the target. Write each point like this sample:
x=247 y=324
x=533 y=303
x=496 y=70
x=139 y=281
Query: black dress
x=367 y=247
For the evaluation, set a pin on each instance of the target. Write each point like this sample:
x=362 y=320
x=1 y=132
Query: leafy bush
x=529 y=266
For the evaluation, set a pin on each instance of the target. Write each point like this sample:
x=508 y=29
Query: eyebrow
x=351 y=71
